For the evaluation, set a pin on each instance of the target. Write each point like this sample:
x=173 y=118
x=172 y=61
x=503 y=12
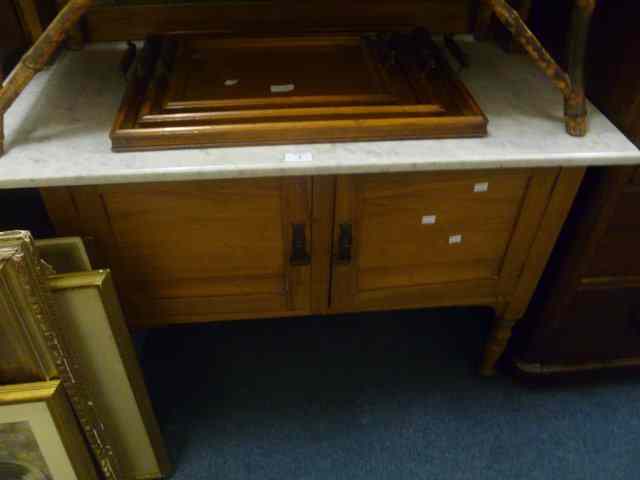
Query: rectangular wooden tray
x=195 y=90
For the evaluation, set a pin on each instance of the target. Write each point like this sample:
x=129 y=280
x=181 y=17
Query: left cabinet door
x=198 y=251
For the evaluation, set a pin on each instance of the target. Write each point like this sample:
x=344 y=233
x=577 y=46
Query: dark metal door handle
x=345 y=243
x=299 y=255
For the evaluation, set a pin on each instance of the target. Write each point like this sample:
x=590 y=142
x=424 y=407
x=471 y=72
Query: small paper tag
x=298 y=157
x=481 y=187
x=429 y=220
x=288 y=87
x=230 y=83
x=455 y=239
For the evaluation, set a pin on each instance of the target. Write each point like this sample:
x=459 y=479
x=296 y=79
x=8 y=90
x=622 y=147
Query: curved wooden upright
x=571 y=84
x=38 y=56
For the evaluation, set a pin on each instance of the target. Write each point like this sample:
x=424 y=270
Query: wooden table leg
x=575 y=110
x=497 y=343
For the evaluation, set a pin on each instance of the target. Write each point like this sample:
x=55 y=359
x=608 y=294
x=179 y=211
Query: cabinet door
x=201 y=251
x=403 y=240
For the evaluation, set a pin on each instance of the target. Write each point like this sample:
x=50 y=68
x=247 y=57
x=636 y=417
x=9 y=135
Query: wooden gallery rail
x=571 y=84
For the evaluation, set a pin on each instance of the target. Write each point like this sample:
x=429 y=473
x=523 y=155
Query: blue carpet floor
x=378 y=396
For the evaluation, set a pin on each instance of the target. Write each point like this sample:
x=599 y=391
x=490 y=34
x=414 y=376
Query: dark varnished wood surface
x=115 y=22
x=224 y=91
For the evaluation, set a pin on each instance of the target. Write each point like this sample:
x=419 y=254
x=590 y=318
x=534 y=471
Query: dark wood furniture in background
x=587 y=312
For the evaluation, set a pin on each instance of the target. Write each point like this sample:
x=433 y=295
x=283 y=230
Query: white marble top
x=57 y=132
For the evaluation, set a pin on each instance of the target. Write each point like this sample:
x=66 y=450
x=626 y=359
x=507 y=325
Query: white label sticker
x=298 y=157
x=481 y=187
x=230 y=83
x=429 y=220
x=288 y=87
x=455 y=239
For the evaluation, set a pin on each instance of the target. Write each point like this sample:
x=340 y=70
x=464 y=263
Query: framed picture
x=39 y=436
x=91 y=314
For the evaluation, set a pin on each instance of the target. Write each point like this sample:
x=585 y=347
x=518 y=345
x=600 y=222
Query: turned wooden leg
x=575 y=107
x=497 y=343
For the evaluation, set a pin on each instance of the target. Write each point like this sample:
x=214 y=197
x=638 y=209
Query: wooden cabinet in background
x=253 y=248
x=587 y=313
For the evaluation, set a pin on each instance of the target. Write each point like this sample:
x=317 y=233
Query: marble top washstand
x=57 y=132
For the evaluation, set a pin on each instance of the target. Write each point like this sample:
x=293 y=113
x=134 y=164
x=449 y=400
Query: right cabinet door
x=429 y=239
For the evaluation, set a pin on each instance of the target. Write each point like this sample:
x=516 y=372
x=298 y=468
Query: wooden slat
x=557 y=210
x=322 y=240
x=62 y=211
x=531 y=214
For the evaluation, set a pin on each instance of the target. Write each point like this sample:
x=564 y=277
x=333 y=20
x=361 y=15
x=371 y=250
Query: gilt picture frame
x=91 y=314
x=39 y=436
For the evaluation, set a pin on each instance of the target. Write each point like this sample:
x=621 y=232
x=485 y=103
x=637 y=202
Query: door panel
x=413 y=233
x=199 y=250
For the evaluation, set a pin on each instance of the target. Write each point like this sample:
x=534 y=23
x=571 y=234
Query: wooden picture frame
x=91 y=314
x=64 y=254
x=39 y=436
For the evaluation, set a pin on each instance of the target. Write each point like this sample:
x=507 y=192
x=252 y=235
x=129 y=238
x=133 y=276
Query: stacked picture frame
x=64 y=346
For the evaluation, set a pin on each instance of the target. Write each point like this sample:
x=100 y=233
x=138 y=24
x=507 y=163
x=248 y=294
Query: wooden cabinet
x=433 y=238
x=250 y=248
